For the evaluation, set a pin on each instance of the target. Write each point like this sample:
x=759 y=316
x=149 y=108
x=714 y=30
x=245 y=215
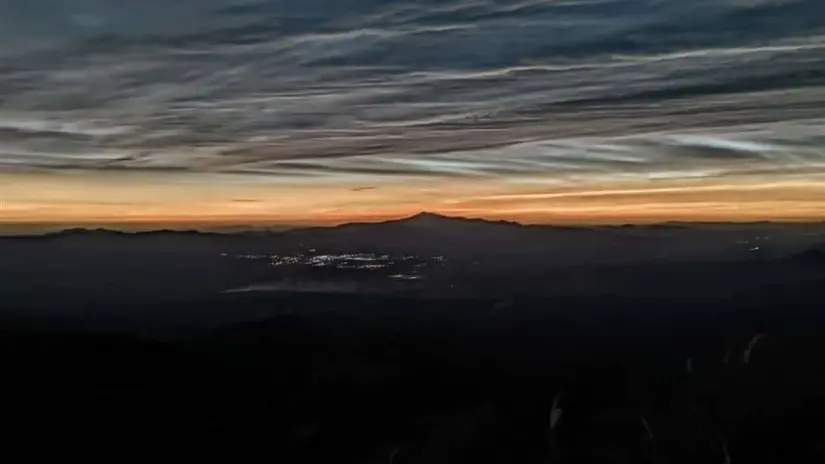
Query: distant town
x=400 y=267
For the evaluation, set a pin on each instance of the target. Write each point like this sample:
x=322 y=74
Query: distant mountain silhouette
x=424 y=233
x=80 y=232
x=427 y=219
x=422 y=220
x=516 y=244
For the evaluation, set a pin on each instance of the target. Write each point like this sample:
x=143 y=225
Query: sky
x=282 y=112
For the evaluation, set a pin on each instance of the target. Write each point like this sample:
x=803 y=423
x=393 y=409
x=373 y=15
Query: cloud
x=358 y=91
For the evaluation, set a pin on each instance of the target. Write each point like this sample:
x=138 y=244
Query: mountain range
x=429 y=234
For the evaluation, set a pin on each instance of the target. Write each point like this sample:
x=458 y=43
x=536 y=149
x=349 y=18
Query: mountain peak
x=428 y=216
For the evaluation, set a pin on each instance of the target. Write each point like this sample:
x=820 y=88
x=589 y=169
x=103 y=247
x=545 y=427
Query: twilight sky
x=211 y=112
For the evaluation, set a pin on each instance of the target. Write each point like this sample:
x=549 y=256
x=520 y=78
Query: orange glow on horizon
x=181 y=201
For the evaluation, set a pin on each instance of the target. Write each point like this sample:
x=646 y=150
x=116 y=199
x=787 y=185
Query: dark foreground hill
x=367 y=379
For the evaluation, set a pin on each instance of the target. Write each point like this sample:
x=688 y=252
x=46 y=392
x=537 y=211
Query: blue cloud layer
x=324 y=89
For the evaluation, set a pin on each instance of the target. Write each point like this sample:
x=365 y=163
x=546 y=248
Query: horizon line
x=221 y=228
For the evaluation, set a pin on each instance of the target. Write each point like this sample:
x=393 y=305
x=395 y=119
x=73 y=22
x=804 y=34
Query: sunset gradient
x=176 y=201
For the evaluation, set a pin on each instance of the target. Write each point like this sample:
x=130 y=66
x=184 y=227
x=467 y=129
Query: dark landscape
x=428 y=339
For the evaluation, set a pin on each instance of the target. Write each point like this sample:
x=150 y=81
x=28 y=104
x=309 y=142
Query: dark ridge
x=84 y=231
x=422 y=218
x=435 y=218
x=103 y=232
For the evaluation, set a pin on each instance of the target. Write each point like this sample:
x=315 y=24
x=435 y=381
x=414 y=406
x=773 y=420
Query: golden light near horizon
x=176 y=201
